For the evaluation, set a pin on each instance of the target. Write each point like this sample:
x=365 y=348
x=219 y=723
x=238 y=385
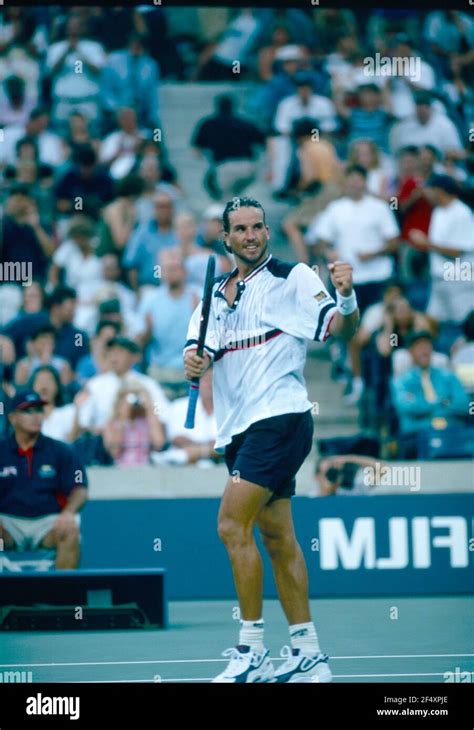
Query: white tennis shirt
x=258 y=345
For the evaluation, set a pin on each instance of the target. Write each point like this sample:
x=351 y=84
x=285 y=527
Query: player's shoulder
x=291 y=271
x=281 y=269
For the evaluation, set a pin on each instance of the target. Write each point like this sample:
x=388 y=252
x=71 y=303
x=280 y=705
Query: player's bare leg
x=242 y=501
x=241 y=504
x=304 y=661
x=67 y=546
x=289 y=568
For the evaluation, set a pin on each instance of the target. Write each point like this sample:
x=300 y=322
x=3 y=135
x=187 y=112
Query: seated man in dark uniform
x=42 y=486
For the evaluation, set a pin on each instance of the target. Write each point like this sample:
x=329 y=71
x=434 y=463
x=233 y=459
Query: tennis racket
x=206 y=308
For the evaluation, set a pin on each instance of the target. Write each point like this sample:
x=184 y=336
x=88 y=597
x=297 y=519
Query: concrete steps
x=183 y=106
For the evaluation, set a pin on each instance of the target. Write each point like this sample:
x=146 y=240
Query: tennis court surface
x=423 y=639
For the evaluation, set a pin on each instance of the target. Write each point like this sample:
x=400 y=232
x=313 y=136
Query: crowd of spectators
x=111 y=259
x=375 y=168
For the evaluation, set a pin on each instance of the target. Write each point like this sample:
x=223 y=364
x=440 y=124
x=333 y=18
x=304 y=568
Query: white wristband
x=346 y=305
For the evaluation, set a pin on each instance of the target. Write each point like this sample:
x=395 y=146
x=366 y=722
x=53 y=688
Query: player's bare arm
x=344 y=325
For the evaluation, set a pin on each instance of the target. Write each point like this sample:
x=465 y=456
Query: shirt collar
x=235 y=271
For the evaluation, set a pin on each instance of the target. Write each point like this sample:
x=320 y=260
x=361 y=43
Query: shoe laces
x=295 y=656
x=237 y=660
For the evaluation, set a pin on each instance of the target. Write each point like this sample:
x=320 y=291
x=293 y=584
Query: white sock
x=305 y=638
x=251 y=634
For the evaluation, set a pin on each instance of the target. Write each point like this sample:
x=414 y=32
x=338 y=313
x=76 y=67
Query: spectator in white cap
x=123 y=355
x=304 y=103
x=288 y=61
x=211 y=230
x=279 y=51
x=195 y=257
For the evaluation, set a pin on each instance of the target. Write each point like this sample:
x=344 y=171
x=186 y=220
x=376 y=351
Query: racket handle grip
x=193 y=398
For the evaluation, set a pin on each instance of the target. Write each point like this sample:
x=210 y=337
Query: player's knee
x=278 y=545
x=232 y=532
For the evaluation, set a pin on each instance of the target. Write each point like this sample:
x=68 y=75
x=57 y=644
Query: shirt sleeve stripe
x=322 y=315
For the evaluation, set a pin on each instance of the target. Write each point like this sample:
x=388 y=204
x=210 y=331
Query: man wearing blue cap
x=42 y=486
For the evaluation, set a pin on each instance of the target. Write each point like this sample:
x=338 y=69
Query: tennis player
x=262 y=313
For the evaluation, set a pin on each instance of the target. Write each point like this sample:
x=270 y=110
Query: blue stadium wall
x=354 y=546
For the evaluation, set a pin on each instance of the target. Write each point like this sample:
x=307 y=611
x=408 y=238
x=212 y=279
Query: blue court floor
x=427 y=639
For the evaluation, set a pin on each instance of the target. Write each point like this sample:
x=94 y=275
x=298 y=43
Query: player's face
x=248 y=236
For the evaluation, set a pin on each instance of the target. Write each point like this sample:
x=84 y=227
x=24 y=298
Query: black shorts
x=270 y=452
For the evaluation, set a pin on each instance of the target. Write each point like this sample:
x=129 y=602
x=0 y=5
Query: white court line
x=209 y=679
x=414 y=674
x=205 y=661
x=401 y=656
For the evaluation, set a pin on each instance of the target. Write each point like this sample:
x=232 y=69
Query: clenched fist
x=195 y=366
x=341 y=277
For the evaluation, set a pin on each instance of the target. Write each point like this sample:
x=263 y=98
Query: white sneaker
x=246 y=666
x=300 y=667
